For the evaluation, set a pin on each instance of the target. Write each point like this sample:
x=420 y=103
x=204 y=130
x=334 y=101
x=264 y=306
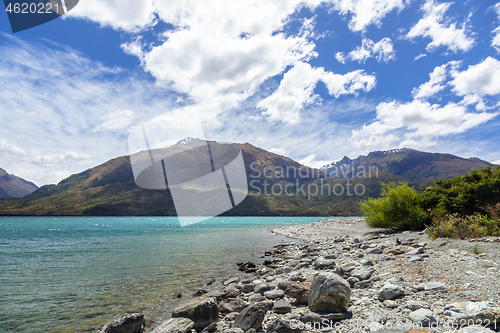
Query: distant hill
x=109 y=189
x=14 y=187
x=415 y=166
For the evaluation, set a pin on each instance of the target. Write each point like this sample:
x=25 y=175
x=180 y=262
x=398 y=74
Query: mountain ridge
x=414 y=165
x=12 y=186
x=110 y=188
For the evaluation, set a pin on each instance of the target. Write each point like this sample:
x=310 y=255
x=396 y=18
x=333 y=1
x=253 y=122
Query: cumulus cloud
x=296 y=90
x=437 y=81
x=416 y=123
x=53 y=132
x=220 y=52
x=366 y=12
x=481 y=79
x=382 y=51
x=119 y=14
x=440 y=29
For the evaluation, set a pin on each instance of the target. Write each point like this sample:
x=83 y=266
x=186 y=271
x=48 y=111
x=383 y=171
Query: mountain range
x=14 y=187
x=333 y=190
x=417 y=167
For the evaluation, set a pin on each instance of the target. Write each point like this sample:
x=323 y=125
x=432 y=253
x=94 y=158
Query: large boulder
x=175 y=325
x=133 y=323
x=201 y=310
x=329 y=293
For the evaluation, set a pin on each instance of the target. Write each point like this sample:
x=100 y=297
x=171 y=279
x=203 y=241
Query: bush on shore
x=461 y=207
x=399 y=207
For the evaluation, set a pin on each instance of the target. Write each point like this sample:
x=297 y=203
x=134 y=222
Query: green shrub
x=399 y=207
x=471 y=226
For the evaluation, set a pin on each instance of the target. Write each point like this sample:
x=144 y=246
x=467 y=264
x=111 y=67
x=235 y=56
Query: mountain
x=14 y=187
x=278 y=185
x=110 y=189
x=415 y=166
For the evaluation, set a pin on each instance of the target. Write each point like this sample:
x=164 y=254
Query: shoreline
x=435 y=283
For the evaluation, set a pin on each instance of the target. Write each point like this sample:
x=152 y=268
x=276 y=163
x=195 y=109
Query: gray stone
x=201 y=310
x=247 y=288
x=418 y=257
x=368 y=262
x=283 y=284
x=473 y=312
x=274 y=294
x=329 y=293
x=175 y=325
x=251 y=317
x=434 y=286
x=387 y=257
x=297 y=277
x=377 y=316
x=230 y=291
x=423 y=317
x=323 y=263
x=255 y=298
x=349 y=267
x=262 y=288
x=415 y=305
x=374 y=251
x=418 y=250
x=352 y=280
x=363 y=284
x=233 y=306
x=299 y=291
x=215 y=293
x=132 y=323
x=390 y=291
x=282 y=325
x=231 y=280
x=233 y=330
x=282 y=307
x=363 y=272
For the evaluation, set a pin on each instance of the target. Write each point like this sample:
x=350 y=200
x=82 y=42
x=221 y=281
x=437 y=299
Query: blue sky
x=313 y=80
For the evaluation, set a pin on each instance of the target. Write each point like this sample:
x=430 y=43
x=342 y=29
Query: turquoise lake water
x=72 y=274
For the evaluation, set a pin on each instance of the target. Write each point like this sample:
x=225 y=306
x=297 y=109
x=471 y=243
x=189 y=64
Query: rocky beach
x=339 y=275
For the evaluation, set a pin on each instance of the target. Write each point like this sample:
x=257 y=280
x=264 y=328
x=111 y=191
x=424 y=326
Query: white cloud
x=313 y=162
x=340 y=56
x=420 y=56
x=417 y=123
x=119 y=120
x=297 y=87
x=79 y=118
x=366 y=12
x=435 y=25
x=119 y=14
x=220 y=51
x=382 y=51
x=496 y=32
x=481 y=79
x=437 y=81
